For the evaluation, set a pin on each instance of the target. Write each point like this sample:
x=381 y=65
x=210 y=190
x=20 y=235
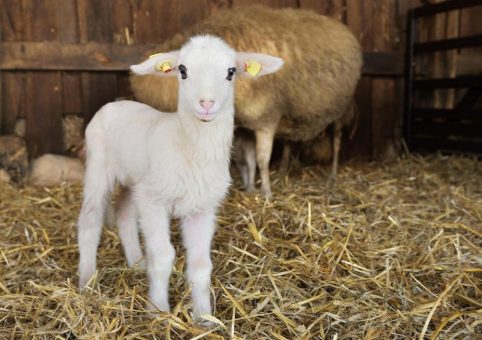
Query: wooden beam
x=382 y=63
x=70 y=57
x=94 y=56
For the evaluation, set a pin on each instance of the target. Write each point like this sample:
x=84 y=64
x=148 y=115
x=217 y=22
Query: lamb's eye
x=231 y=72
x=183 y=71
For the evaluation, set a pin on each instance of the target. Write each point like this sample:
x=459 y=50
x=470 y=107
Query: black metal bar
x=449 y=44
x=450 y=83
x=445 y=6
x=421 y=143
x=447 y=129
x=409 y=77
x=470 y=98
x=460 y=114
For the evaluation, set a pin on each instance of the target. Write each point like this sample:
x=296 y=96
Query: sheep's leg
x=91 y=218
x=243 y=171
x=251 y=172
x=127 y=219
x=197 y=232
x=336 y=148
x=264 y=146
x=154 y=224
x=285 y=159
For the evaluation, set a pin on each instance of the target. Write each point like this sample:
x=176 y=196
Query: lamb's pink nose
x=207 y=104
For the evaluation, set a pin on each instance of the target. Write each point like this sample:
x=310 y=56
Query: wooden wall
x=40 y=94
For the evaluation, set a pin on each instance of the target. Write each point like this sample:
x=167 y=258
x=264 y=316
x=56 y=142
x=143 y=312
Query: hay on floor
x=393 y=250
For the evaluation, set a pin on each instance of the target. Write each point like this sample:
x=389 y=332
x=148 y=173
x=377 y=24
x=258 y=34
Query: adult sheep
x=314 y=89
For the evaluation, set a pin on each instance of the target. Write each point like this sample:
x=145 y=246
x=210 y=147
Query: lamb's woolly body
x=184 y=170
x=315 y=87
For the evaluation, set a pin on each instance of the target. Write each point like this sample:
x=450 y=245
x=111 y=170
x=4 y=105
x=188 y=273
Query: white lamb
x=171 y=164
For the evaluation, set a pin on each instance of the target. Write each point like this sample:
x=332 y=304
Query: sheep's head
x=206 y=68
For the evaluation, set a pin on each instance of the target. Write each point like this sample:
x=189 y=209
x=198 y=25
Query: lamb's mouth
x=205 y=117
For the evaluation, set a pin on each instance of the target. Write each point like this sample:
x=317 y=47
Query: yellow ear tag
x=164 y=66
x=252 y=67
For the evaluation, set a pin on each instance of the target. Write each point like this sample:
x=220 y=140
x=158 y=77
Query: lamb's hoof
x=204 y=323
x=154 y=311
x=85 y=281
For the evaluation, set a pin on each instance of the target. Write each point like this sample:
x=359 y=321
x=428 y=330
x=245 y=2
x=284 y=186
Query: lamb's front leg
x=197 y=231
x=154 y=224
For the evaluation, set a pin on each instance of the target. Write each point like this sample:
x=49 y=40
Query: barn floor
x=394 y=249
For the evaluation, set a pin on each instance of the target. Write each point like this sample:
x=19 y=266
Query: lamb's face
x=206 y=68
x=206 y=72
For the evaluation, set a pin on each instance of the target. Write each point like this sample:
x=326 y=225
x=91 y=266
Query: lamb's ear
x=160 y=64
x=254 y=65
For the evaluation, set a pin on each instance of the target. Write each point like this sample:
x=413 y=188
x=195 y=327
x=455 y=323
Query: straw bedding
x=392 y=250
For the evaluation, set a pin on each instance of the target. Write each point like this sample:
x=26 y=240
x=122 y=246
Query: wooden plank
x=69 y=33
x=11 y=83
x=44 y=114
x=355 y=14
x=385 y=102
x=383 y=63
x=332 y=8
x=95 y=24
x=123 y=86
x=269 y=3
x=174 y=15
x=44 y=104
x=13 y=100
x=112 y=57
x=358 y=15
x=122 y=24
x=91 y=56
x=71 y=93
x=215 y=5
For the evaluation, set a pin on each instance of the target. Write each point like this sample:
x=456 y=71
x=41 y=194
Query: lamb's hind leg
x=91 y=218
x=154 y=224
x=127 y=219
x=197 y=232
x=264 y=147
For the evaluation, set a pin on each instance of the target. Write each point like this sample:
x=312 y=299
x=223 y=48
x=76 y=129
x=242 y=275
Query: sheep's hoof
x=268 y=196
x=331 y=181
x=250 y=189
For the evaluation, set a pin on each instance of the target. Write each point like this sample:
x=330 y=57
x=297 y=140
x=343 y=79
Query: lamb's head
x=206 y=68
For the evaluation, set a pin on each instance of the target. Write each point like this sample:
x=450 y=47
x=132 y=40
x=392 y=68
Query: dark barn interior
x=391 y=250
